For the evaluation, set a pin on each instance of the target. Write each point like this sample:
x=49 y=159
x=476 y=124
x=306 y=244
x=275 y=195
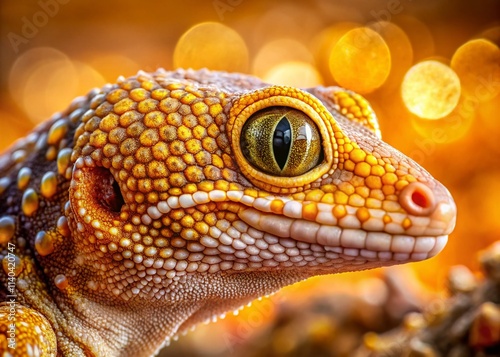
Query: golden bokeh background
x=430 y=69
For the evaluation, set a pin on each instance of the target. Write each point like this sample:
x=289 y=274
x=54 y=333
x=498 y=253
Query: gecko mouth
x=374 y=234
x=348 y=242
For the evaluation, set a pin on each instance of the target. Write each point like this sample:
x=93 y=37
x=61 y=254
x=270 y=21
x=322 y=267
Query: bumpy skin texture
x=145 y=208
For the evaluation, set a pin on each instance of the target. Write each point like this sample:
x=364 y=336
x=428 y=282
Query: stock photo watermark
x=255 y=319
x=31 y=25
x=381 y=17
x=11 y=298
x=223 y=6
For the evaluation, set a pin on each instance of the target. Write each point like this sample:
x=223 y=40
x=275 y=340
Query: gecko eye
x=283 y=138
x=281 y=141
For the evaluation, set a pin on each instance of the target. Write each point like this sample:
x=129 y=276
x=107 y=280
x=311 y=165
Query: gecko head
x=233 y=194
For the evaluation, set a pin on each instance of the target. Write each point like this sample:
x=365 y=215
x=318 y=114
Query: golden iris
x=281 y=141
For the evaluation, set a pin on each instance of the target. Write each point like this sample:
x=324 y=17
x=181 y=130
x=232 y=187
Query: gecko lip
x=326 y=229
x=445 y=216
x=350 y=242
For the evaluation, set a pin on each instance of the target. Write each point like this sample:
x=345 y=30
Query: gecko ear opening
x=95 y=198
x=97 y=190
x=107 y=190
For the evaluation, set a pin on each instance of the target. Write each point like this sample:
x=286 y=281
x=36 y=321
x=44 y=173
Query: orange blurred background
x=430 y=69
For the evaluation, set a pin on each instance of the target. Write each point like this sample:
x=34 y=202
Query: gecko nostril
x=420 y=199
x=417 y=199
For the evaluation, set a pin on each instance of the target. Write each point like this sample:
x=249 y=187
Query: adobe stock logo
x=32 y=25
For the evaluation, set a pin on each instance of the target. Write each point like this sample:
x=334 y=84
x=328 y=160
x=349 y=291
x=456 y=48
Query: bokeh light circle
x=277 y=52
x=430 y=90
x=477 y=63
x=323 y=44
x=419 y=34
x=361 y=60
x=295 y=74
x=451 y=128
x=400 y=48
x=44 y=80
x=113 y=65
x=492 y=34
x=211 y=45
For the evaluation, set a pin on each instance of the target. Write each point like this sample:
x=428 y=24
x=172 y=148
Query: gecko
x=153 y=204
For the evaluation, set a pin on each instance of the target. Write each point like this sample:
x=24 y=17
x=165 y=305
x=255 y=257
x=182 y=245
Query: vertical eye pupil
x=282 y=139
